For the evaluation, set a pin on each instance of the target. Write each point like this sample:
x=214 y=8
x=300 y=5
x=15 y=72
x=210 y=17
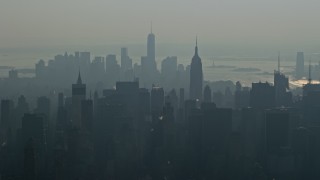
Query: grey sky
x=72 y=22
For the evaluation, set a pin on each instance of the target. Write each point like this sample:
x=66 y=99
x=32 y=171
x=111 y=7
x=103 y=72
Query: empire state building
x=196 y=76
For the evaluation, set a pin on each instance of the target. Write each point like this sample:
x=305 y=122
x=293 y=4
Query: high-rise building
x=13 y=74
x=78 y=95
x=151 y=47
x=6 y=113
x=87 y=114
x=85 y=58
x=43 y=107
x=33 y=128
x=126 y=62
x=169 y=72
x=207 y=94
x=181 y=98
x=281 y=85
x=157 y=101
x=196 y=76
x=277 y=129
x=97 y=69
x=262 y=95
x=112 y=70
x=300 y=65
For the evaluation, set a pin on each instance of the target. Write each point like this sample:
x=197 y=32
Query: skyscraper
x=151 y=48
x=196 y=76
x=300 y=65
x=126 y=62
x=207 y=94
x=78 y=95
x=281 y=85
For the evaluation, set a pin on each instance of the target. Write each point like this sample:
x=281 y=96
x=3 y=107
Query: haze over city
x=159 y=90
x=287 y=24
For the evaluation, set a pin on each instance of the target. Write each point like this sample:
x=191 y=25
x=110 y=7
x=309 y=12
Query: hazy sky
x=25 y=23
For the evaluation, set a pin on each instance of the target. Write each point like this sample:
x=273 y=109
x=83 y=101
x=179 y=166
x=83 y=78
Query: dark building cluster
x=96 y=119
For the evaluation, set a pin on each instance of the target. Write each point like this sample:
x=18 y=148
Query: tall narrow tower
x=78 y=95
x=151 y=48
x=196 y=76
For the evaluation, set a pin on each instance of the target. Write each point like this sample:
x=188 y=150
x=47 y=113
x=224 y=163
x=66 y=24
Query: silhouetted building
x=262 y=95
x=126 y=62
x=112 y=70
x=169 y=72
x=241 y=96
x=6 y=114
x=29 y=161
x=207 y=97
x=151 y=47
x=196 y=76
x=78 y=95
x=43 y=107
x=277 y=130
x=13 y=74
x=157 y=102
x=87 y=115
x=40 y=69
x=281 y=85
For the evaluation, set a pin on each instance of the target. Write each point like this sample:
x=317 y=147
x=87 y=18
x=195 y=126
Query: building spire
x=79 y=81
x=151 y=27
x=196 y=41
x=309 y=79
x=279 y=61
x=196 y=49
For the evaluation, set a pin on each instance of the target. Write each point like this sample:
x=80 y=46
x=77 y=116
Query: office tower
x=169 y=66
x=262 y=95
x=40 y=69
x=13 y=74
x=126 y=62
x=169 y=72
x=149 y=72
x=29 y=161
x=84 y=58
x=189 y=105
x=207 y=94
x=20 y=110
x=300 y=65
x=6 y=113
x=172 y=99
x=60 y=100
x=43 y=107
x=281 y=85
x=87 y=115
x=97 y=69
x=78 y=95
x=157 y=101
x=151 y=51
x=252 y=125
x=181 y=98
x=112 y=70
x=33 y=128
x=277 y=130
x=127 y=94
x=144 y=102
x=77 y=55
x=196 y=76
x=62 y=113
x=215 y=134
